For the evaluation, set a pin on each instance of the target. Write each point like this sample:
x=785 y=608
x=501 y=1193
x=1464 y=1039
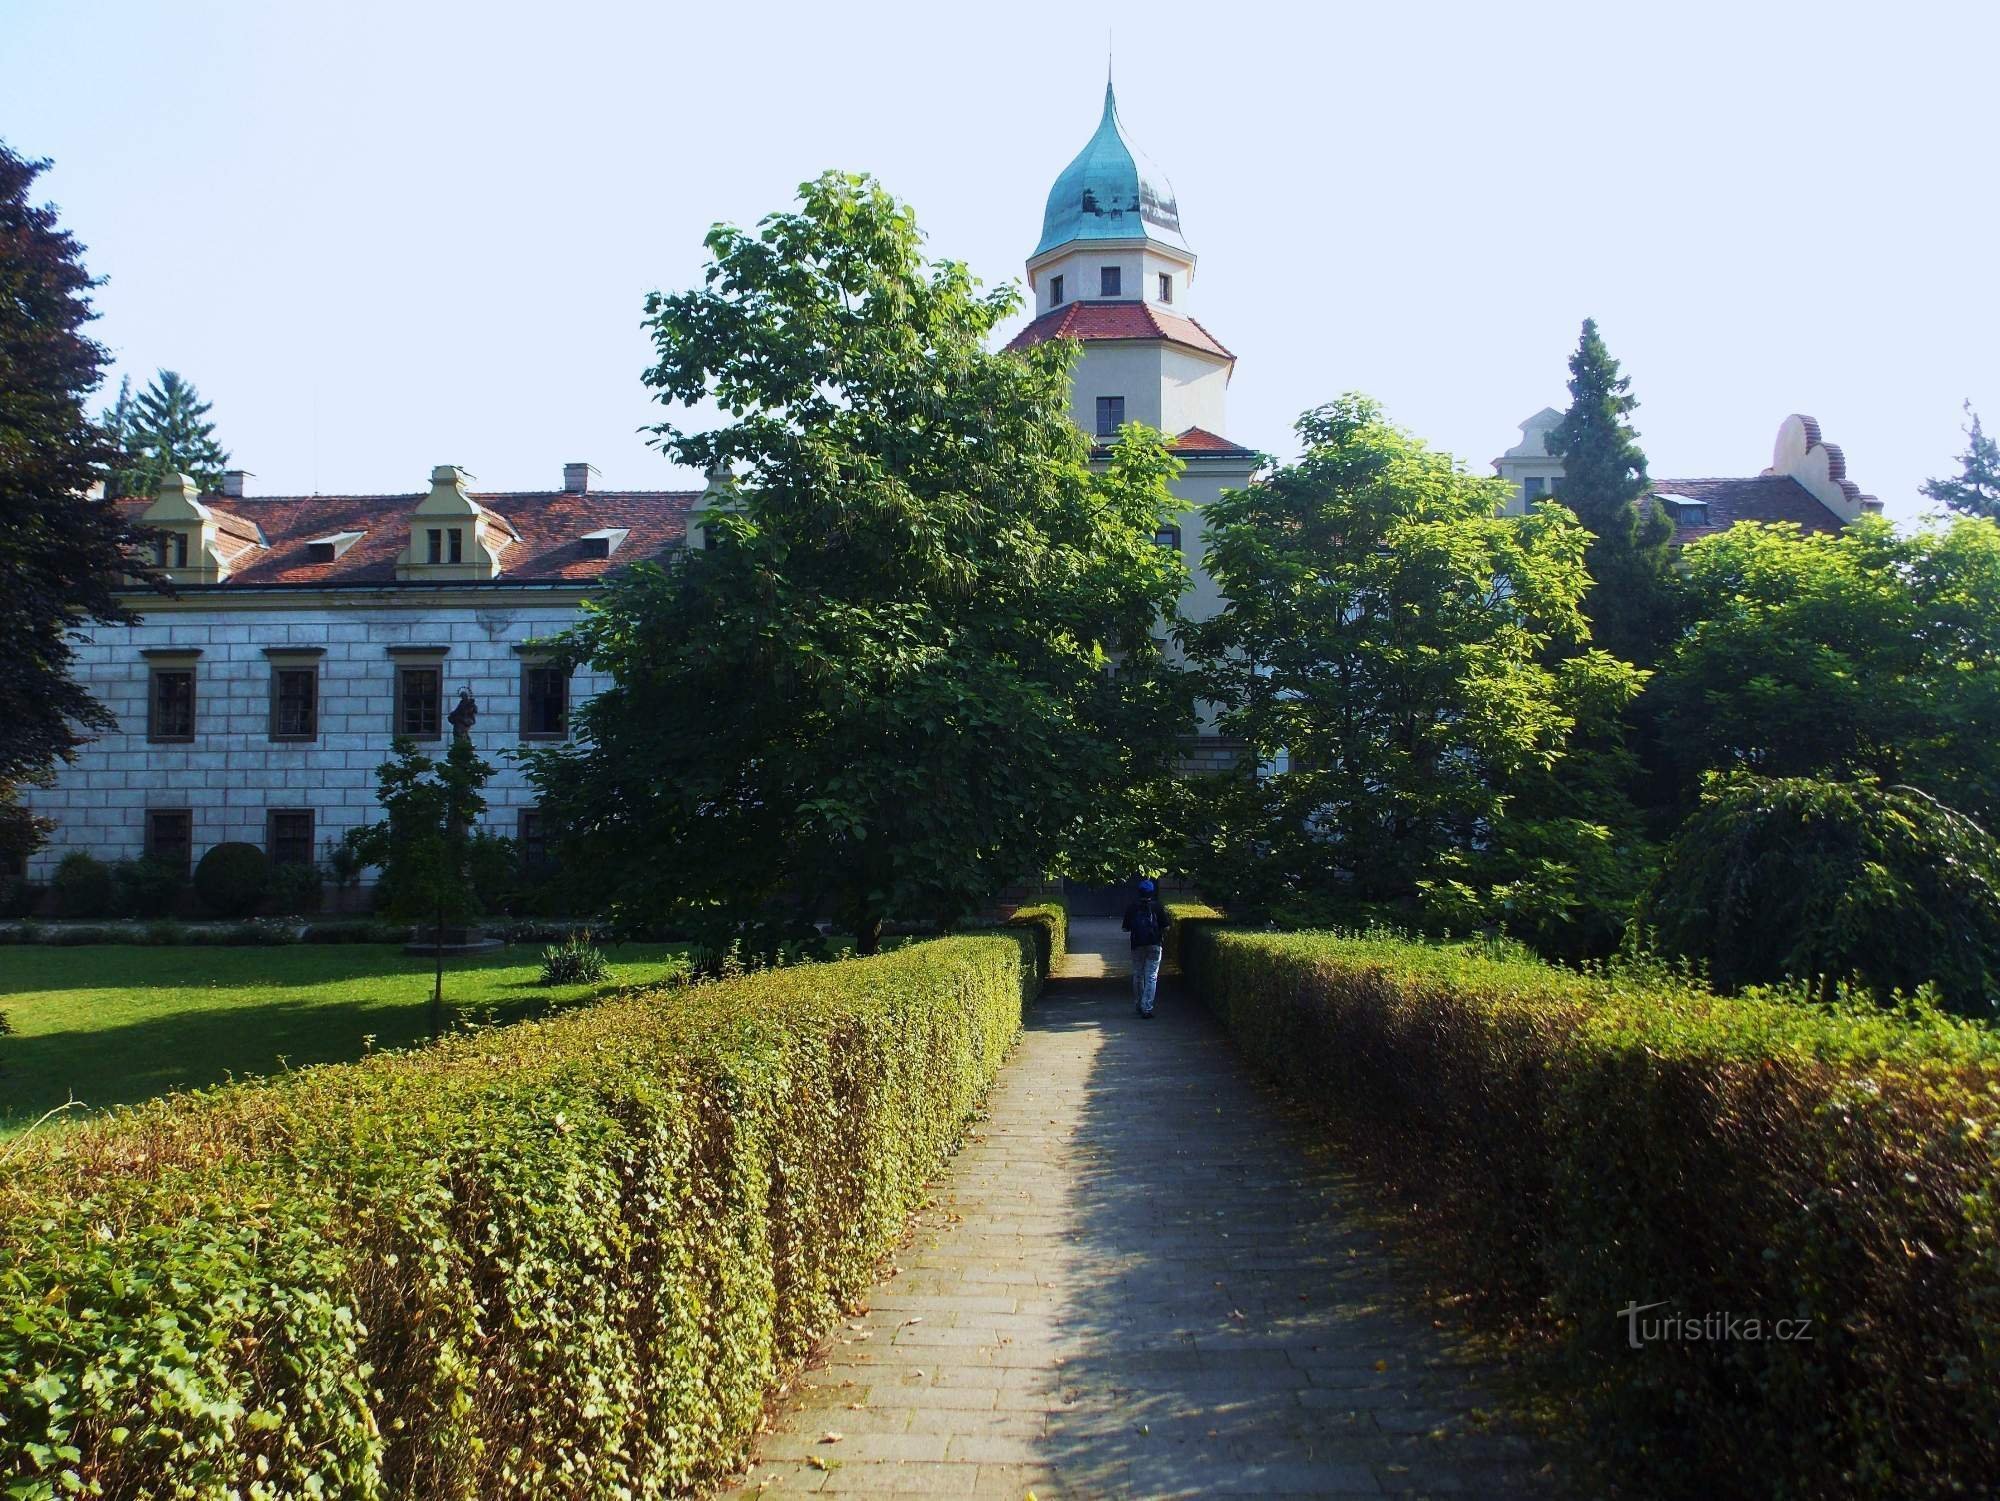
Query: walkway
x=1135 y=1282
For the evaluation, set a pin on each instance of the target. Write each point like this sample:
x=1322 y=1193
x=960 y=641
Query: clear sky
x=381 y=237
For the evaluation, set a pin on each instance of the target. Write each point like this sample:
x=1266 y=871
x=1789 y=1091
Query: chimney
x=232 y=482
x=576 y=478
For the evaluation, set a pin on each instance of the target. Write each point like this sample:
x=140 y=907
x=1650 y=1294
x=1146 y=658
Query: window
x=170 y=704
x=544 y=701
x=420 y=702
x=1168 y=536
x=1166 y=286
x=174 y=550
x=170 y=837
x=1109 y=281
x=1110 y=415
x=534 y=840
x=288 y=836
x=435 y=551
x=457 y=535
x=1535 y=487
x=294 y=703
x=1055 y=291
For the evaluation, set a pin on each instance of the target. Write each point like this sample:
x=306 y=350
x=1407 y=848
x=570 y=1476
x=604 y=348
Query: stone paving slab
x=1135 y=1282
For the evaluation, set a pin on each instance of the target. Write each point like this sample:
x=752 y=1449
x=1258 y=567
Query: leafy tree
x=1843 y=655
x=1976 y=491
x=167 y=430
x=1604 y=477
x=1824 y=881
x=1389 y=635
x=886 y=687
x=424 y=844
x=61 y=552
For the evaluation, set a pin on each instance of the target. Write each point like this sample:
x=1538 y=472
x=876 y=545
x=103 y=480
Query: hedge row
x=1580 y=1144
x=559 y=1259
x=1049 y=922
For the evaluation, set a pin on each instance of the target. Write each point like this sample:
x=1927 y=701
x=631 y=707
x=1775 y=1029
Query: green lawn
x=113 y=1024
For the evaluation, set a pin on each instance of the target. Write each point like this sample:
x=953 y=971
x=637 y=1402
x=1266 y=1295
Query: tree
x=61 y=551
x=168 y=431
x=885 y=688
x=1855 y=654
x=423 y=845
x=1387 y=646
x=1816 y=881
x=1976 y=491
x=1604 y=477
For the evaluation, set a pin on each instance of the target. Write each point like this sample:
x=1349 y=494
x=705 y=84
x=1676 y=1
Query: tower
x=1114 y=272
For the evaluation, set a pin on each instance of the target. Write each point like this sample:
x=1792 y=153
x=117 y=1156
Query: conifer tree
x=1604 y=476
x=169 y=430
x=1976 y=491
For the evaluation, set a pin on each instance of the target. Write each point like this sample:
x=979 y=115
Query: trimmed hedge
x=1578 y=1144
x=1049 y=922
x=562 y=1258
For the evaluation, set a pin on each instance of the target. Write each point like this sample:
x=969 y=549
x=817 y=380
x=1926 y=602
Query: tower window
x=457 y=545
x=1534 y=487
x=1109 y=281
x=1168 y=537
x=436 y=548
x=1166 y=287
x=1110 y=415
x=174 y=550
x=1055 y=291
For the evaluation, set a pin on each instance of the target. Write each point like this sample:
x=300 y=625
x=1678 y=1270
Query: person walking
x=1147 y=921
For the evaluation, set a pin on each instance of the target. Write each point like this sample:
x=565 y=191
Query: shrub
x=571 y=1257
x=18 y=897
x=83 y=886
x=1049 y=922
x=164 y=933
x=260 y=932
x=356 y=932
x=232 y=879
x=1822 y=881
x=73 y=937
x=1579 y=1143
x=148 y=888
x=574 y=961
x=295 y=890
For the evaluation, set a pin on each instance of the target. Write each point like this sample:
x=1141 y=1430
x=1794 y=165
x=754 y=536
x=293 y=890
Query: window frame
x=1535 y=487
x=149 y=842
x=1115 y=407
x=434 y=544
x=400 y=726
x=155 y=671
x=1167 y=534
x=271 y=817
x=455 y=544
x=529 y=667
x=1166 y=286
x=531 y=839
x=1055 y=291
x=284 y=662
x=1110 y=281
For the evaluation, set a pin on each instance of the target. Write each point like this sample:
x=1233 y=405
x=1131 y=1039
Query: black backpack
x=1146 y=923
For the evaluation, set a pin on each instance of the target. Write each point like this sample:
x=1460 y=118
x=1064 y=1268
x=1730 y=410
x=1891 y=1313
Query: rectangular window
x=170 y=837
x=1109 y=281
x=1168 y=536
x=534 y=840
x=435 y=549
x=1166 y=287
x=173 y=550
x=1535 y=486
x=1055 y=291
x=294 y=703
x=1110 y=415
x=457 y=545
x=288 y=836
x=170 y=704
x=544 y=702
x=420 y=702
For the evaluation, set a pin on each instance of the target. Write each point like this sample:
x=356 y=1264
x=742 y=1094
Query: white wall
x=233 y=772
x=1140 y=268
x=1164 y=385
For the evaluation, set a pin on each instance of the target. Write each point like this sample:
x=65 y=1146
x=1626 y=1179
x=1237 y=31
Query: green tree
x=1388 y=645
x=1604 y=477
x=423 y=845
x=167 y=430
x=61 y=551
x=1976 y=491
x=886 y=688
x=1856 y=654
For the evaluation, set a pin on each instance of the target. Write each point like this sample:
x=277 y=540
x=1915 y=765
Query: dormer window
x=174 y=550
x=1110 y=280
x=435 y=550
x=603 y=543
x=1686 y=510
x=1055 y=291
x=1166 y=286
x=457 y=545
x=329 y=548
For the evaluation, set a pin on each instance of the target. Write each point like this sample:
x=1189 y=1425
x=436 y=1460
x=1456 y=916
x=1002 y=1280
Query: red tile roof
x=549 y=524
x=1118 y=320
x=1201 y=440
x=1763 y=497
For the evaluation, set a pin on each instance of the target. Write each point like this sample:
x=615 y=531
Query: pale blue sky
x=381 y=237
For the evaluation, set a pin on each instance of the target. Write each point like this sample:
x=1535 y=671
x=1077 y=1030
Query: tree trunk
x=868 y=935
x=437 y=987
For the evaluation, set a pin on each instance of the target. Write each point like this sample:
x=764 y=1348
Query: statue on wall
x=465 y=716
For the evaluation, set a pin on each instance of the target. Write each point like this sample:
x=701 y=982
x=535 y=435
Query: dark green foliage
x=84 y=886
x=1049 y=922
x=232 y=880
x=166 y=431
x=493 y=866
x=1829 y=881
x=61 y=553
x=1976 y=490
x=1571 y=1145
x=295 y=890
x=163 y=934
x=149 y=888
x=883 y=690
x=19 y=898
x=567 y=1258
x=574 y=961
x=424 y=844
x=1631 y=609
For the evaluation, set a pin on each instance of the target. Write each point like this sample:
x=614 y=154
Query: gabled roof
x=1762 y=497
x=1118 y=320
x=1199 y=440
x=549 y=525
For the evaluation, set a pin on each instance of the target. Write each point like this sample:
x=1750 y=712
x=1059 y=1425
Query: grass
x=114 y=1024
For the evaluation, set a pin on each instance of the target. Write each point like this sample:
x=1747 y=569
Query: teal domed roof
x=1111 y=192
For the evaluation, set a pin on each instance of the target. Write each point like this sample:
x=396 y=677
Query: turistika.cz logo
x=1709 y=1328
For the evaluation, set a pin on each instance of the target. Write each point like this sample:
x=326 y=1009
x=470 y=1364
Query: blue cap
x=1146 y=883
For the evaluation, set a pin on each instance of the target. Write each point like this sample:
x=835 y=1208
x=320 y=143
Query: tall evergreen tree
x=169 y=430
x=1604 y=477
x=61 y=552
x=1976 y=491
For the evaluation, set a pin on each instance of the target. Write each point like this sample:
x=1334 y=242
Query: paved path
x=1135 y=1282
